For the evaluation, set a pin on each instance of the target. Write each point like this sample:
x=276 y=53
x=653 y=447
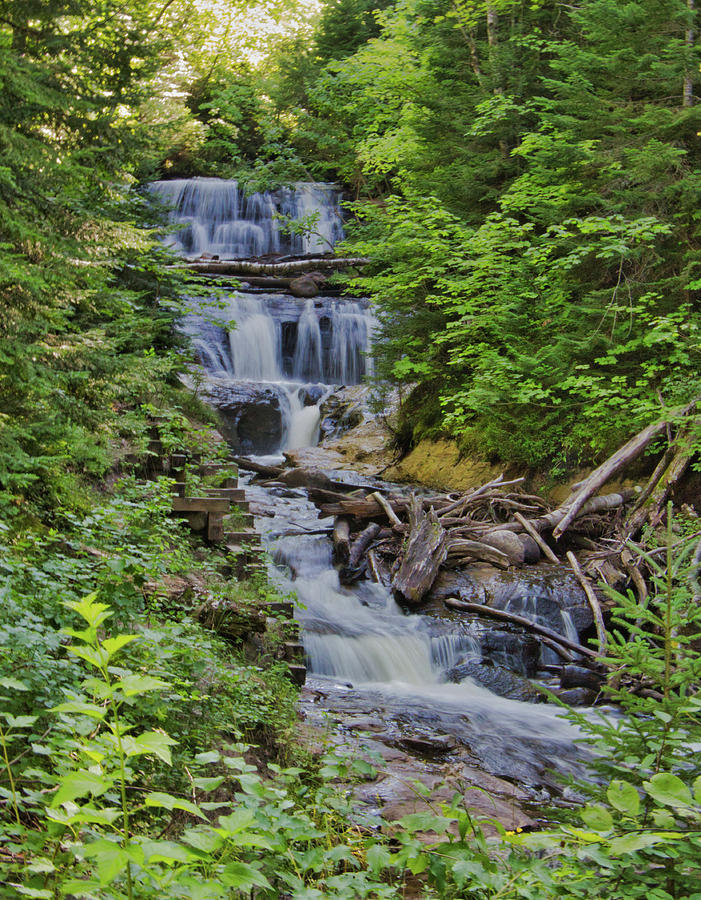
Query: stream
x=412 y=681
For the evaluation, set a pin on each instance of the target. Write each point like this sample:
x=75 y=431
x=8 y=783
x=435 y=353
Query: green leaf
x=668 y=790
x=378 y=858
x=97 y=658
x=155 y=743
x=19 y=721
x=243 y=877
x=78 y=784
x=115 y=644
x=139 y=684
x=13 y=684
x=208 y=784
x=598 y=818
x=168 y=852
x=82 y=707
x=205 y=839
x=623 y=797
x=110 y=859
x=697 y=789
x=629 y=843
x=168 y=801
x=211 y=756
x=237 y=821
x=38 y=893
x=93 y=612
x=424 y=822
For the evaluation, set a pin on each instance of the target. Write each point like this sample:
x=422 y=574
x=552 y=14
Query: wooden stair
x=219 y=509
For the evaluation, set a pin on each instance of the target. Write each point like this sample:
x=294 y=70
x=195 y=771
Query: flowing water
x=271 y=360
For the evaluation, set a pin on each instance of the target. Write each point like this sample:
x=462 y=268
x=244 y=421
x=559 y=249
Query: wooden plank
x=215 y=528
x=252 y=538
x=297 y=674
x=202 y=504
x=293 y=650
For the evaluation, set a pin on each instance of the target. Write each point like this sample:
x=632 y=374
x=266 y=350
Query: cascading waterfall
x=281 y=355
x=215 y=217
x=239 y=338
x=254 y=339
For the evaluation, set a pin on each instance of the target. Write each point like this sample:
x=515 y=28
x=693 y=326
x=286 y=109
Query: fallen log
x=504 y=616
x=425 y=552
x=361 y=544
x=374 y=568
x=293 y=267
x=507 y=543
x=651 y=508
x=361 y=508
x=550 y=520
x=341 y=540
x=620 y=459
x=592 y=599
x=394 y=519
x=250 y=465
x=466 y=551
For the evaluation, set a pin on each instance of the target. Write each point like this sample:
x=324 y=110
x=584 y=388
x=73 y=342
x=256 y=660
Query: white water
x=396 y=663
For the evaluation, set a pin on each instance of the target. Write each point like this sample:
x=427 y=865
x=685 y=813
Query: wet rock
x=250 y=415
x=311 y=394
x=498 y=680
x=511 y=650
x=363 y=723
x=577 y=696
x=433 y=745
x=459 y=583
x=304 y=286
x=310 y=478
x=545 y=594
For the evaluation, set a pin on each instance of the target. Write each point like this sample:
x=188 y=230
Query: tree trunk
x=425 y=553
x=688 y=90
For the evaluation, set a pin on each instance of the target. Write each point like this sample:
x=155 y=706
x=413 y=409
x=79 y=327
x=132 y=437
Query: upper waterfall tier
x=216 y=217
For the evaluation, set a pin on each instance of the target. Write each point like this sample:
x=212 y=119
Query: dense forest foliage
x=524 y=177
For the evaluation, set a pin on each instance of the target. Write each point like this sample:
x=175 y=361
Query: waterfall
x=215 y=217
x=307 y=359
x=254 y=340
x=350 y=329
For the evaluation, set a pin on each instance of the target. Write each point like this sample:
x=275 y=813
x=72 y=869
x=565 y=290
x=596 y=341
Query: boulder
x=530 y=548
x=509 y=544
x=577 y=696
x=250 y=415
x=511 y=650
x=304 y=286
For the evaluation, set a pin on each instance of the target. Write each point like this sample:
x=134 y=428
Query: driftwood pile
x=403 y=541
